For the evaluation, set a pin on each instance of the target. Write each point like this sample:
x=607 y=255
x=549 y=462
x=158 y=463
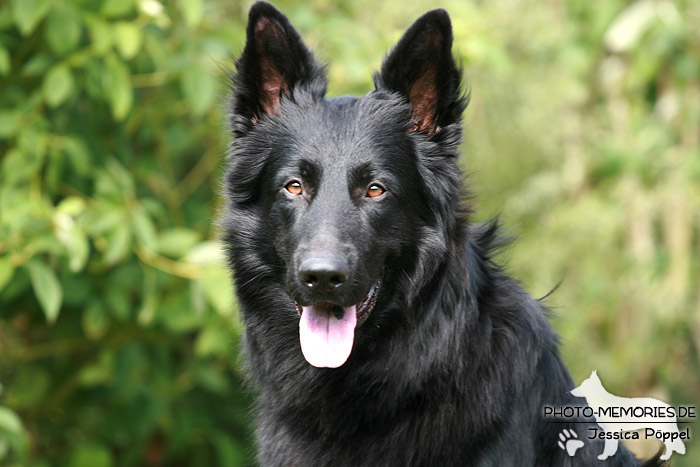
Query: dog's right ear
x=274 y=63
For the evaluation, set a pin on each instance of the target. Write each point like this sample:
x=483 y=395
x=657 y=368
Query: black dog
x=378 y=329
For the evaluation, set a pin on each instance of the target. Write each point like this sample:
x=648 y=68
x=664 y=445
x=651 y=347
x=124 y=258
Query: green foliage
x=118 y=329
x=119 y=336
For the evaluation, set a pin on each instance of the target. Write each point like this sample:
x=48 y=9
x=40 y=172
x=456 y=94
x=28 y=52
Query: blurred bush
x=118 y=331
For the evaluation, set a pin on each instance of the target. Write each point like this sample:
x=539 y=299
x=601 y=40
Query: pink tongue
x=326 y=341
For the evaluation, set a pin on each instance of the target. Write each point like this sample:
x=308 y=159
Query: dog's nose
x=323 y=273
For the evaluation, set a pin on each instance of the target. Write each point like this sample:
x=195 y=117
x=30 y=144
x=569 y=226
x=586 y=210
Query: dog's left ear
x=421 y=68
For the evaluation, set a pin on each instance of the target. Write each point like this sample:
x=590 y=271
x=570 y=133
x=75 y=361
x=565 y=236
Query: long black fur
x=455 y=363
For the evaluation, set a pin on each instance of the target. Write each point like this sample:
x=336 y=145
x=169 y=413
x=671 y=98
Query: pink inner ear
x=424 y=91
x=272 y=83
x=272 y=86
x=423 y=97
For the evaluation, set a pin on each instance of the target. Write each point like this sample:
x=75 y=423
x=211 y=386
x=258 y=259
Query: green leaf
x=95 y=320
x=124 y=178
x=191 y=11
x=63 y=28
x=228 y=451
x=149 y=303
x=176 y=242
x=5 y=65
x=211 y=378
x=117 y=8
x=118 y=245
x=30 y=384
x=70 y=233
x=10 y=422
x=117 y=85
x=7 y=270
x=144 y=229
x=78 y=155
x=212 y=340
x=217 y=287
x=9 y=123
x=103 y=217
x=58 y=85
x=199 y=88
x=72 y=205
x=100 y=372
x=208 y=253
x=128 y=39
x=101 y=35
x=37 y=64
x=90 y=455
x=78 y=250
x=28 y=13
x=47 y=289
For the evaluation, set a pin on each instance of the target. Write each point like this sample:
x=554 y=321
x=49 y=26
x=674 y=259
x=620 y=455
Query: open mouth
x=363 y=309
x=327 y=330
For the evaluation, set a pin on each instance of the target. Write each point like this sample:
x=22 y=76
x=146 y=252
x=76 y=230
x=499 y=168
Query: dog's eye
x=294 y=187
x=375 y=190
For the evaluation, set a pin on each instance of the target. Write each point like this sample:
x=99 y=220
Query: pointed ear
x=274 y=63
x=421 y=69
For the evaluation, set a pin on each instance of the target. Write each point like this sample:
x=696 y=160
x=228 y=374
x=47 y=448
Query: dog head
x=344 y=203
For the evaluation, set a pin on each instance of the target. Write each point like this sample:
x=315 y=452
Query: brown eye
x=294 y=187
x=375 y=190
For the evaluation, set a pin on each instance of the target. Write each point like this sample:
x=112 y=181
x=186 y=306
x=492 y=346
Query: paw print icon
x=569 y=442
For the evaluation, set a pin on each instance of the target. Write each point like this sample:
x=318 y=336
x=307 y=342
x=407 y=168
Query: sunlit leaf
x=149 y=303
x=176 y=242
x=117 y=8
x=71 y=205
x=10 y=421
x=78 y=250
x=128 y=39
x=47 y=288
x=58 y=85
x=28 y=13
x=63 y=28
x=70 y=233
x=213 y=340
x=103 y=217
x=208 y=253
x=191 y=11
x=117 y=85
x=218 y=289
x=118 y=245
x=101 y=35
x=144 y=229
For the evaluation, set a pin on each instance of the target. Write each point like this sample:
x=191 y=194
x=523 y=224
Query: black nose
x=323 y=273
